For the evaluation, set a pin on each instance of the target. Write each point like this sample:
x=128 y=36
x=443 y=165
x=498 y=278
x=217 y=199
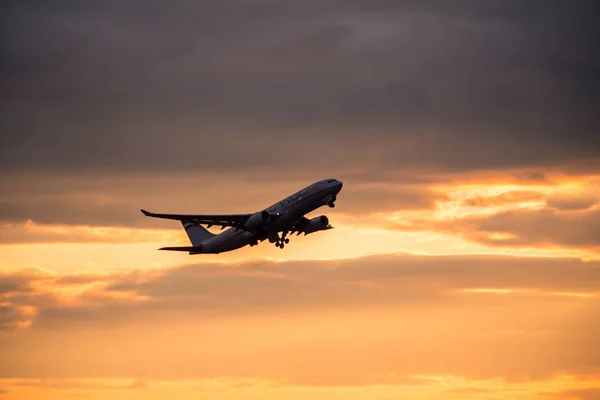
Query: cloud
x=290 y=282
x=541 y=227
x=272 y=286
x=559 y=200
x=380 y=85
x=559 y=214
x=67 y=211
x=361 y=199
x=432 y=387
x=65 y=384
x=592 y=393
x=577 y=201
x=516 y=196
x=313 y=311
x=19 y=298
x=117 y=203
x=30 y=232
x=27 y=293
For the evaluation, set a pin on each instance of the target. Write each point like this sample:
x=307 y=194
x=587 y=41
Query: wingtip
x=146 y=213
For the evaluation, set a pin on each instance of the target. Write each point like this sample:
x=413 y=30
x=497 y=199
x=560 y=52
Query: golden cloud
x=399 y=314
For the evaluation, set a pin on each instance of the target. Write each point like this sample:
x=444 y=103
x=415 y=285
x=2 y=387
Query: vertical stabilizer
x=196 y=232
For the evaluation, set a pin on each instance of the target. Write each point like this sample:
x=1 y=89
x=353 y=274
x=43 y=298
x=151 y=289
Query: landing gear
x=332 y=202
x=283 y=241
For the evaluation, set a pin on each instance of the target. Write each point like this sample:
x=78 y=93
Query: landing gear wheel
x=287 y=241
x=331 y=205
x=281 y=246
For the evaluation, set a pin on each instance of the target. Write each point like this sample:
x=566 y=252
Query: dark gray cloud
x=68 y=212
x=204 y=86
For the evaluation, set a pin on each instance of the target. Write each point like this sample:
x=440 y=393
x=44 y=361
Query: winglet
x=146 y=213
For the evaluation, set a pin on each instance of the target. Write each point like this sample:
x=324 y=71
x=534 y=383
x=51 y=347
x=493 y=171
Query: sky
x=465 y=263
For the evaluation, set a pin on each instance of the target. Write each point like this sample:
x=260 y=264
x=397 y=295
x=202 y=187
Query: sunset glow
x=465 y=259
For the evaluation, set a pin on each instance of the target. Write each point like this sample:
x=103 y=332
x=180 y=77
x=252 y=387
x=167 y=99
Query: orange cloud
x=590 y=393
x=31 y=232
x=401 y=315
x=428 y=387
x=516 y=196
x=559 y=215
x=573 y=201
x=546 y=227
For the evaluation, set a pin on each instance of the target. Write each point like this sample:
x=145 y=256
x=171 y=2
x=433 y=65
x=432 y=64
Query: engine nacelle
x=257 y=221
x=317 y=224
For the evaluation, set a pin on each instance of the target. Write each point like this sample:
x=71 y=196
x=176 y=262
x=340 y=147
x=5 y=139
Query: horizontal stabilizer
x=180 y=248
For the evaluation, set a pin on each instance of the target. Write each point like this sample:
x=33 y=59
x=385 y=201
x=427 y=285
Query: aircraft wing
x=224 y=221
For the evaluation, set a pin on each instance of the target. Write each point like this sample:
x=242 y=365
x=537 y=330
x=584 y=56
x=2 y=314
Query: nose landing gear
x=332 y=202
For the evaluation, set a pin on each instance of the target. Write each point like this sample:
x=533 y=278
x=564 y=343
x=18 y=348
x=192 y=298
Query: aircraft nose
x=339 y=185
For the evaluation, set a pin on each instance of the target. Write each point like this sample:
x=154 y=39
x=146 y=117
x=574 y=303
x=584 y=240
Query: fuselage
x=288 y=211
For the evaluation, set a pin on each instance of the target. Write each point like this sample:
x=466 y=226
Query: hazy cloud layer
x=204 y=86
x=70 y=385
x=544 y=227
x=300 y=284
x=578 y=201
x=511 y=197
x=591 y=393
x=318 y=309
x=115 y=204
x=492 y=212
x=20 y=233
x=432 y=387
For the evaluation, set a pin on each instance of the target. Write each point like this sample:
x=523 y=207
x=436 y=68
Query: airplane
x=286 y=216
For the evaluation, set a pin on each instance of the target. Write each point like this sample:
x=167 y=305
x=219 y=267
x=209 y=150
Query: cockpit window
x=331 y=181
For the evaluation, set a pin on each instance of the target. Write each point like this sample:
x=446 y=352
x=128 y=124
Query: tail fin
x=196 y=232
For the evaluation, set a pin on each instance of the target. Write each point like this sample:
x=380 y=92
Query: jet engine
x=317 y=224
x=257 y=221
